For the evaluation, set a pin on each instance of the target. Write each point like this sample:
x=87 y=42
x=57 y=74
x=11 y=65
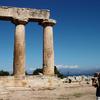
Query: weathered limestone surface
x=24 y=14
x=19 y=51
x=48 y=49
x=44 y=88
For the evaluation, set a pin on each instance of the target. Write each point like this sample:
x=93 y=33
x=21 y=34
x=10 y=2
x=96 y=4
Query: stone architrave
x=9 y=13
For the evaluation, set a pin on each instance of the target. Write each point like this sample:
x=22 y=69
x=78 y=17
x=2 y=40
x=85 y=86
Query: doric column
x=48 y=49
x=19 y=50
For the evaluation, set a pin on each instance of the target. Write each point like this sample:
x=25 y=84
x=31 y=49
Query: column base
x=48 y=71
x=19 y=77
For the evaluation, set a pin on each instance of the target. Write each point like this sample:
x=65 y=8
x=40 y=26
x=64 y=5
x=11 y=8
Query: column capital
x=48 y=22
x=17 y=21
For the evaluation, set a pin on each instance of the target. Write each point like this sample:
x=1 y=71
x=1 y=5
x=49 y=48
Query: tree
x=58 y=73
x=40 y=70
x=26 y=73
x=37 y=71
x=4 y=73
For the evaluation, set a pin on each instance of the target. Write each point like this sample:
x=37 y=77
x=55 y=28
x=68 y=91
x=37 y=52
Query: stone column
x=19 y=51
x=48 y=49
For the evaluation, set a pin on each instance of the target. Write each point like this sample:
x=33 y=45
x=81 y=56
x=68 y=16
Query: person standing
x=96 y=84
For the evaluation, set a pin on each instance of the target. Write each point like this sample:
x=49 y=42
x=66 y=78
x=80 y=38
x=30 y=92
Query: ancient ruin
x=37 y=87
x=20 y=17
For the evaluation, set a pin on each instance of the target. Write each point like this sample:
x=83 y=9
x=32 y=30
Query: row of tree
x=35 y=72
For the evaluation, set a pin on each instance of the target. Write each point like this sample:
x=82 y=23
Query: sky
x=76 y=34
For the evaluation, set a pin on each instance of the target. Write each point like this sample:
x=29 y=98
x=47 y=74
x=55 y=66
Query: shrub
x=58 y=73
x=37 y=71
x=4 y=73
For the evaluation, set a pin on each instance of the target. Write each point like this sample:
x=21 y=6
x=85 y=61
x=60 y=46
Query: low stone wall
x=30 y=81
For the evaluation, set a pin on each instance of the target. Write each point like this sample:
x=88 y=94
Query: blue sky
x=76 y=34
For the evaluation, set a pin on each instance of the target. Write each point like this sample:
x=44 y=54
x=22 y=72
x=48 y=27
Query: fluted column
x=48 y=48
x=19 y=51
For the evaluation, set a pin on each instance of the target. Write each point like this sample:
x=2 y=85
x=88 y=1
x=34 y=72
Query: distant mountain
x=73 y=71
x=78 y=71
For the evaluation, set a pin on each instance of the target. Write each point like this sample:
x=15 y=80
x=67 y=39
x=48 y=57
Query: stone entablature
x=23 y=14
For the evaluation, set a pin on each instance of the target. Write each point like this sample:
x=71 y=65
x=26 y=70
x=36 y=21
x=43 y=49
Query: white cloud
x=67 y=66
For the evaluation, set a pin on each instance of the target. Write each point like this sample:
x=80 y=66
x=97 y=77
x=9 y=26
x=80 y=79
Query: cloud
x=67 y=66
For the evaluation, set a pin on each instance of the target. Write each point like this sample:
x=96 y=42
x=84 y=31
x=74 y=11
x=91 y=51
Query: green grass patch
x=77 y=95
